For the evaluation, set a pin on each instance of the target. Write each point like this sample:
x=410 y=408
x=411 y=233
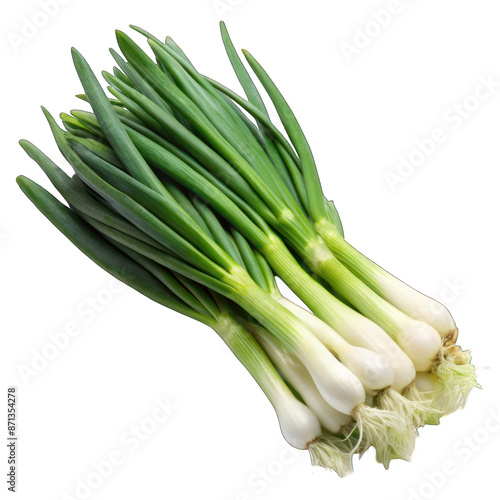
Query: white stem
x=356 y=329
x=421 y=343
x=416 y=304
x=373 y=370
x=296 y=374
x=328 y=336
x=365 y=333
x=337 y=384
x=298 y=424
x=362 y=332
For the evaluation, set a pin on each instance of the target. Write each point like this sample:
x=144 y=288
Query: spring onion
x=188 y=193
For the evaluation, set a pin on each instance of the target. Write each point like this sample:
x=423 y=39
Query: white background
x=437 y=230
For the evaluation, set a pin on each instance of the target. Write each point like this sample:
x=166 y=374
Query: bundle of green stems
x=188 y=193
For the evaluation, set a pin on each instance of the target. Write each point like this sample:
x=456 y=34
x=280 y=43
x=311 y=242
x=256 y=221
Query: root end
x=332 y=453
x=456 y=378
x=425 y=412
x=390 y=435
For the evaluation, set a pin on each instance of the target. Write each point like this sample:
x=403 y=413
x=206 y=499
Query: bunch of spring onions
x=187 y=192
